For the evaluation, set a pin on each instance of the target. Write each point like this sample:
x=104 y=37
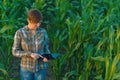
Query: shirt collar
x=26 y=27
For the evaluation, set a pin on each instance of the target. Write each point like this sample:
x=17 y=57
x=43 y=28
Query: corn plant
x=85 y=32
x=10 y=21
x=3 y=72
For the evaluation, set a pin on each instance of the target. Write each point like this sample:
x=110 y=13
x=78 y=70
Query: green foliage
x=3 y=72
x=85 y=32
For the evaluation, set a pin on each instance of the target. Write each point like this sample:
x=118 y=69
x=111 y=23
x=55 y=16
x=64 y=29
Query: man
x=30 y=42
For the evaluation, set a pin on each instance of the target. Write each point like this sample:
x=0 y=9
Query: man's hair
x=34 y=16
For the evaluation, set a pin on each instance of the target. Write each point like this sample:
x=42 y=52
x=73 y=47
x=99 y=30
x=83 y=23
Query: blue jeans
x=27 y=75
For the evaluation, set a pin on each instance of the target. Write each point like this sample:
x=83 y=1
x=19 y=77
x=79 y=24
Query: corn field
x=85 y=32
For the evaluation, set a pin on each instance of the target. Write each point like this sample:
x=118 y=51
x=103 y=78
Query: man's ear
x=28 y=20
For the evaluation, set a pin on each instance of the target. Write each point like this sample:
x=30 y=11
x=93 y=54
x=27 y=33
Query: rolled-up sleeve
x=16 y=49
x=46 y=48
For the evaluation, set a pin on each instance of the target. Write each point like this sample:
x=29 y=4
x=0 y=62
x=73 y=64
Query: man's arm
x=16 y=49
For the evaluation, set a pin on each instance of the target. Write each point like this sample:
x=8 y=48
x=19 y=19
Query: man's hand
x=45 y=59
x=34 y=56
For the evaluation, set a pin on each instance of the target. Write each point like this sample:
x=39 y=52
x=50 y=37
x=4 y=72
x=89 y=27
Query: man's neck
x=32 y=30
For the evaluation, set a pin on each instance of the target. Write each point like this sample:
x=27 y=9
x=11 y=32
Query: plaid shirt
x=26 y=43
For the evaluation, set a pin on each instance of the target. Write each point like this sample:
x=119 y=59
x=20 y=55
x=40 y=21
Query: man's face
x=34 y=26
